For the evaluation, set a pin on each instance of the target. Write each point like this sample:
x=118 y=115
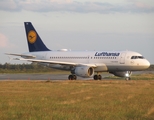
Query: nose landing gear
x=127 y=78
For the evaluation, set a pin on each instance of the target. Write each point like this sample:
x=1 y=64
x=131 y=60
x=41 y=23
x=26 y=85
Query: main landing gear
x=97 y=77
x=72 y=77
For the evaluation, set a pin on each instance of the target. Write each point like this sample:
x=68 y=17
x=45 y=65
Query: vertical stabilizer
x=34 y=41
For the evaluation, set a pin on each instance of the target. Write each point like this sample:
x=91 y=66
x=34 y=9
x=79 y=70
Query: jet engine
x=83 y=71
x=125 y=74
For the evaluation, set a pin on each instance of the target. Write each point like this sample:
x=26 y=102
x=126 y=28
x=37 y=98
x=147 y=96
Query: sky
x=78 y=25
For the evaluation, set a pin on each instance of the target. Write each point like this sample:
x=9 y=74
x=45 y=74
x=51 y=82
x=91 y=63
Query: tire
x=99 y=77
x=127 y=78
x=70 y=77
x=74 y=77
x=95 y=77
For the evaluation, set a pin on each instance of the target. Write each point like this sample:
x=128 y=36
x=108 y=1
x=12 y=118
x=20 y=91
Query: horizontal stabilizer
x=22 y=55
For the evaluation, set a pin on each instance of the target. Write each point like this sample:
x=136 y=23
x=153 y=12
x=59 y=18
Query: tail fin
x=34 y=41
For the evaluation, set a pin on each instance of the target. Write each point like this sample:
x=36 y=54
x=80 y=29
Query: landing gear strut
x=97 y=77
x=72 y=77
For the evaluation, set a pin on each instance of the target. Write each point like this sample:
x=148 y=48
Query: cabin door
x=122 y=58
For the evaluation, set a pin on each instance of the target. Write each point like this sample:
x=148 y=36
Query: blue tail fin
x=34 y=41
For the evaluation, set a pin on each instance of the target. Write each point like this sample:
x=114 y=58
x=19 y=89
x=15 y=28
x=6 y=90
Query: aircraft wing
x=56 y=62
x=21 y=55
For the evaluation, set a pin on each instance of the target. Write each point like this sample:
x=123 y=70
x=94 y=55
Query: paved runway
x=51 y=76
x=40 y=77
x=33 y=77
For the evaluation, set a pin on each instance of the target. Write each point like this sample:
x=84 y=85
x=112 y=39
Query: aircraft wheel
x=95 y=77
x=128 y=78
x=72 y=77
x=99 y=77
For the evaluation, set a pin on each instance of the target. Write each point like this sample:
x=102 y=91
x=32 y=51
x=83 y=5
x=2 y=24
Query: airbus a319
x=82 y=63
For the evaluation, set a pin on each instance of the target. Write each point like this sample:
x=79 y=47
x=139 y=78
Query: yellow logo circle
x=32 y=36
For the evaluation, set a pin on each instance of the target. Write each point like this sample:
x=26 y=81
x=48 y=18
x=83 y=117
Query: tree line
x=23 y=68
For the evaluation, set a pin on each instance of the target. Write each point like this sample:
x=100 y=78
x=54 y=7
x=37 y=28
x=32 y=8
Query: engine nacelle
x=84 y=71
x=122 y=74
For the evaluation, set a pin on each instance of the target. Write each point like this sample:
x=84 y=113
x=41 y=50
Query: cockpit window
x=140 y=57
x=133 y=57
x=137 y=57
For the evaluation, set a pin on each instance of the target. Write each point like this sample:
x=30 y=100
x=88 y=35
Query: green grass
x=77 y=100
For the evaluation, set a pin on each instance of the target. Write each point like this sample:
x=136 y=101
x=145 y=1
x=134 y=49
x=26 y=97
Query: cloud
x=9 y=5
x=4 y=43
x=74 y=6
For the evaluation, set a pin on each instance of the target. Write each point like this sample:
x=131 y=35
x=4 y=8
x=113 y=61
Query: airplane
x=86 y=64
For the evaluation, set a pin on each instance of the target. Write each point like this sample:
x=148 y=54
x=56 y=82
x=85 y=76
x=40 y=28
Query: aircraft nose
x=147 y=63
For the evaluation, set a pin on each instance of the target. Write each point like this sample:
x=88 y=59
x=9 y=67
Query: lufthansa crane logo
x=32 y=36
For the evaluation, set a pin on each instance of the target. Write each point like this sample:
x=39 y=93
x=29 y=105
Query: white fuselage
x=104 y=60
